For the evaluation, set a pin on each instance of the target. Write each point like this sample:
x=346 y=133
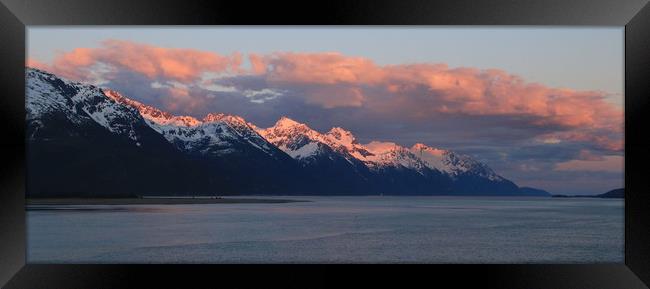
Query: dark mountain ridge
x=528 y=191
x=613 y=194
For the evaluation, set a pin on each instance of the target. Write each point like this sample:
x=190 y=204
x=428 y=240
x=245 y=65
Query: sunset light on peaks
x=427 y=100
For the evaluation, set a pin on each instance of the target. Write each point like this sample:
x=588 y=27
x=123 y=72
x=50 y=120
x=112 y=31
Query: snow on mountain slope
x=301 y=142
x=152 y=114
x=295 y=139
x=243 y=129
x=47 y=94
x=452 y=163
x=343 y=140
x=388 y=154
x=374 y=154
x=216 y=134
x=43 y=94
x=433 y=157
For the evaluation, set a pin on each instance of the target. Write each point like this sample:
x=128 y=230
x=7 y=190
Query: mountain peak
x=379 y=147
x=420 y=148
x=285 y=122
x=342 y=136
x=212 y=117
x=151 y=113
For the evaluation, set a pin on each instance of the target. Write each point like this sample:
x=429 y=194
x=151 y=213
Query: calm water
x=333 y=230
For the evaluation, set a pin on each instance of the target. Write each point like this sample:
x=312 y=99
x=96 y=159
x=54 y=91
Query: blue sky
x=580 y=59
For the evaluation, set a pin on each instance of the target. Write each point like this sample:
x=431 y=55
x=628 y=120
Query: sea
x=354 y=229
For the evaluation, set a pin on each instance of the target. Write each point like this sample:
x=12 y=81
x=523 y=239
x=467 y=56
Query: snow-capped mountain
x=421 y=168
x=79 y=142
x=303 y=143
x=86 y=139
x=215 y=134
x=451 y=163
x=321 y=161
x=50 y=96
x=81 y=136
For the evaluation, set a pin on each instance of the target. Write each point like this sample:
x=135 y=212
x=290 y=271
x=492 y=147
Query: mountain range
x=612 y=194
x=87 y=141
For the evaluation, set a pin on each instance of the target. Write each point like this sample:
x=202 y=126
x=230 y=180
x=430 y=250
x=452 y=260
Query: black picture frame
x=633 y=14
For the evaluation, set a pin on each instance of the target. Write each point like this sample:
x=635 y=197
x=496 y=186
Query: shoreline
x=153 y=201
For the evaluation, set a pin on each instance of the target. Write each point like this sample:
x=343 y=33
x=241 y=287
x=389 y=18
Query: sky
x=542 y=106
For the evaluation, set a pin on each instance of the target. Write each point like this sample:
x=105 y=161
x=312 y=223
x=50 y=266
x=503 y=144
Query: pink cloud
x=457 y=90
x=258 y=63
x=180 y=98
x=599 y=137
x=35 y=63
x=152 y=61
x=606 y=163
x=317 y=68
x=587 y=155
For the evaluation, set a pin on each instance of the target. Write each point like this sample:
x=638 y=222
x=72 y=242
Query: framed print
x=378 y=142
